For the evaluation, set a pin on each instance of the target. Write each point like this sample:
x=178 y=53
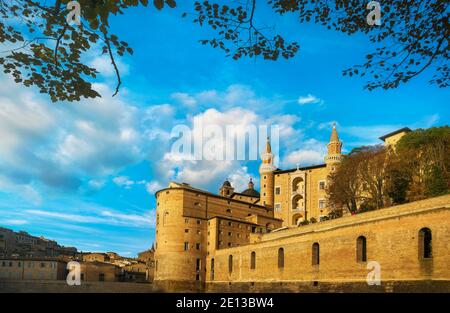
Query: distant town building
x=22 y=244
x=32 y=269
x=99 y=271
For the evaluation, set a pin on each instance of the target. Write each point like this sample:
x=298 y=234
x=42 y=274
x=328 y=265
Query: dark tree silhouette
x=43 y=50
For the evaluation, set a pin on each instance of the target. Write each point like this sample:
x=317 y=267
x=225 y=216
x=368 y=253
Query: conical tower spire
x=268 y=147
x=334 y=134
x=334 y=148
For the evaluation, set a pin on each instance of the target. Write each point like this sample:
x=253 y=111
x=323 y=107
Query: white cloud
x=184 y=99
x=98 y=216
x=14 y=222
x=153 y=187
x=312 y=152
x=61 y=146
x=103 y=65
x=309 y=99
x=123 y=181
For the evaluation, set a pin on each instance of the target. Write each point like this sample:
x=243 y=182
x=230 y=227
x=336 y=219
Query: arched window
x=297 y=184
x=281 y=258
x=230 y=264
x=315 y=254
x=297 y=202
x=212 y=269
x=361 y=249
x=425 y=245
x=253 y=260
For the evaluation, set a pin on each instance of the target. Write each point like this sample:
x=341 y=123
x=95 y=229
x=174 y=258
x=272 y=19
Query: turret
x=267 y=176
x=226 y=190
x=334 y=155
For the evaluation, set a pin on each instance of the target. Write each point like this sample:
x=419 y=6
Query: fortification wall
x=392 y=237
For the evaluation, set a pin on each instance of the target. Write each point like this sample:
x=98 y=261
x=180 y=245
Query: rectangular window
x=197 y=267
x=186 y=246
x=197 y=246
x=322 y=204
x=322 y=185
x=277 y=190
x=277 y=207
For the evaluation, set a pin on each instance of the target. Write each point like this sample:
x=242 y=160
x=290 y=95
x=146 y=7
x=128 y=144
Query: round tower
x=267 y=177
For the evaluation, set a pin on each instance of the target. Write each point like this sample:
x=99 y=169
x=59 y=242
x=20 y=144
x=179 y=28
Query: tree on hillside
x=372 y=173
x=374 y=177
x=426 y=154
x=43 y=50
x=398 y=179
x=344 y=189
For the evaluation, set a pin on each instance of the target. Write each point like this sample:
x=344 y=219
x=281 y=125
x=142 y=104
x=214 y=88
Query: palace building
x=251 y=241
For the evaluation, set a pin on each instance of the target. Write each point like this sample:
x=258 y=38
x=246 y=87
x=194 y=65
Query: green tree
x=435 y=182
x=426 y=154
x=45 y=52
x=398 y=182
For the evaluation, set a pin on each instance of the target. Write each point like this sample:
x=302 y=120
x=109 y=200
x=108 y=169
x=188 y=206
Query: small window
x=277 y=207
x=186 y=246
x=198 y=265
x=186 y=231
x=361 y=249
x=277 y=190
x=322 y=185
x=425 y=245
x=315 y=254
x=253 y=260
x=212 y=269
x=230 y=234
x=197 y=246
x=281 y=258
x=322 y=204
x=101 y=277
x=230 y=263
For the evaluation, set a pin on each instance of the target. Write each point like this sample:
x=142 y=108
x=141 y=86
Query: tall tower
x=334 y=155
x=267 y=176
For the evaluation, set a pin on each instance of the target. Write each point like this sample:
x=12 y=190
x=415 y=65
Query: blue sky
x=85 y=173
